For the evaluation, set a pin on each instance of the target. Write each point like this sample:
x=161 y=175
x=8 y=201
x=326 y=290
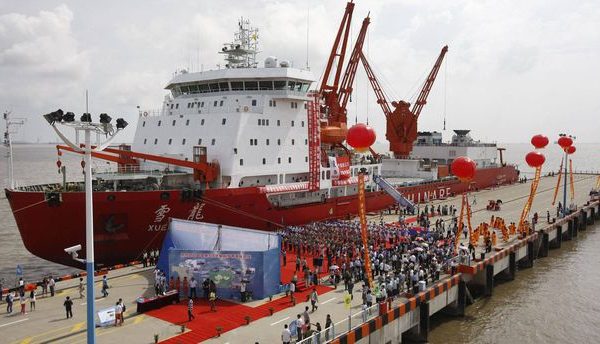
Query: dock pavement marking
x=26 y=340
x=14 y=322
x=324 y=302
x=278 y=321
x=134 y=276
x=139 y=319
x=77 y=327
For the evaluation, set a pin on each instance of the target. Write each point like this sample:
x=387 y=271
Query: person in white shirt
x=299 y=327
x=193 y=285
x=118 y=314
x=286 y=335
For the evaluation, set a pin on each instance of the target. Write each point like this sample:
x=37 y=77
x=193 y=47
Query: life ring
x=145 y=114
x=246 y=108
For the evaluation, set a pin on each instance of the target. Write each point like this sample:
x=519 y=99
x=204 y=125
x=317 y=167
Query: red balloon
x=539 y=141
x=464 y=168
x=570 y=149
x=565 y=141
x=535 y=159
x=360 y=136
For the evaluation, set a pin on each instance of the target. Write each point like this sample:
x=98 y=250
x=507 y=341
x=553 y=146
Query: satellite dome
x=271 y=62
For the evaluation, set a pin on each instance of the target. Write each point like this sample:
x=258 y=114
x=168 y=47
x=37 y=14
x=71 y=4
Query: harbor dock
x=406 y=319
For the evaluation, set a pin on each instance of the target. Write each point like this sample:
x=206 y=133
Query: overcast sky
x=514 y=68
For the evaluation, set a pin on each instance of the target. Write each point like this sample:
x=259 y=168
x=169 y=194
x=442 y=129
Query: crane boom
x=381 y=100
x=422 y=100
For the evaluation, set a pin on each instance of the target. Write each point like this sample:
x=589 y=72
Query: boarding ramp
x=392 y=191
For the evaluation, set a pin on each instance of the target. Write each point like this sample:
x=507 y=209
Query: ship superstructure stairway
x=392 y=191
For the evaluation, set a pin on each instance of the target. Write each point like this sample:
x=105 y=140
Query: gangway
x=392 y=191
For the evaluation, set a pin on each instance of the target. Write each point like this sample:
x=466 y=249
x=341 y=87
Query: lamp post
x=102 y=128
x=565 y=141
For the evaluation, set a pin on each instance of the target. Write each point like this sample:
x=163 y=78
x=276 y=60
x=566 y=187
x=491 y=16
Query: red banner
x=343 y=163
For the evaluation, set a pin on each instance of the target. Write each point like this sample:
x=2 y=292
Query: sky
x=513 y=69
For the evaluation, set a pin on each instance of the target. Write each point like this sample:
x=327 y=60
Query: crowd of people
x=401 y=256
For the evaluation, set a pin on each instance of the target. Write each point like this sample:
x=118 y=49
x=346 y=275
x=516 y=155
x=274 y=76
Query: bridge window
x=224 y=86
x=251 y=85
x=203 y=88
x=291 y=85
x=265 y=85
x=279 y=84
x=237 y=85
x=214 y=87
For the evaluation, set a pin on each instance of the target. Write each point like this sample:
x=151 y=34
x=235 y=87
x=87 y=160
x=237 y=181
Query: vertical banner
x=362 y=213
x=343 y=164
x=314 y=145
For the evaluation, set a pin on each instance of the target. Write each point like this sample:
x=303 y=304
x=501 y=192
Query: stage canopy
x=227 y=255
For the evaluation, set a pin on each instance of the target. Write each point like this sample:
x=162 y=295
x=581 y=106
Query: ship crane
x=401 y=123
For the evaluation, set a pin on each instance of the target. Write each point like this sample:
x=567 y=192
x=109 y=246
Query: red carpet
x=229 y=315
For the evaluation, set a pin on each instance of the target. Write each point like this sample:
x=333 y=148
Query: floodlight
x=104 y=118
x=86 y=117
x=121 y=123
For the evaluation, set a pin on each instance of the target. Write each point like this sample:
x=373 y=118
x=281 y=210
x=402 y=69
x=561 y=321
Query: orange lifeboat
x=333 y=134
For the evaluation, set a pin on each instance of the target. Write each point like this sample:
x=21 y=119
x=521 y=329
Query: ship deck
x=47 y=323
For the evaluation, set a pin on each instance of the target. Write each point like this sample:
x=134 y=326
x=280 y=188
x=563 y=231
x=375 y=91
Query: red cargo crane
x=401 y=123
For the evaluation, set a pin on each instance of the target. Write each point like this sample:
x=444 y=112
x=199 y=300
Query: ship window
x=214 y=87
x=177 y=106
x=183 y=141
x=267 y=141
x=215 y=103
x=279 y=142
x=184 y=89
x=143 y=123
x=174 y=121
x=322 y=174
x=264 y=161
x=203 y=88
x=279 y=160
x=202 y=121
x=155 y=141
x=305 y=142
x=202 y=104
x=221 y=103
x=291 y=85
x=187 y=122
x=212 y=142
x=267 y=122
x=328 y=174
x=259 y=121
x=145 y=140
x=298 y=87
x=305 y=87
x=292 y=123
x=251 y=85
x=224 y=86
x=265 y=85
x=170 y=140
x=193 y=89
x=290 y=160
x=251 y=142
x=305 y=159
x=302 y=124
x=172 y=106
x=159 y=122
x=279 y=85
x=272 y=103
x=278 y=123
x=235 y=151
x=199 y=142
x=253 y=102
x=293 y=141
x=305 y=106
x=237 y=85
x=241 y=162
x=223 y=121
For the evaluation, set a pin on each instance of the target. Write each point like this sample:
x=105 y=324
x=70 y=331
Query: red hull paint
x=127 y=223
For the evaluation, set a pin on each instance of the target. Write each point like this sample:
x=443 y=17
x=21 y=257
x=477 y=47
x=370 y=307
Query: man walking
x=10 y=298
x=81 y=287
x=51 y=284
x=286 y=335
x=191 y=310
x=68 y=307
x=314 y=299
x=104 y=286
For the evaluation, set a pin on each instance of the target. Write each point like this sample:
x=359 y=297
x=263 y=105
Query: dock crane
x=401 y=123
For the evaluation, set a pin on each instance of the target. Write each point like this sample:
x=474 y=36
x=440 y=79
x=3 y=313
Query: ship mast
x=241 y=53
x=11 y=128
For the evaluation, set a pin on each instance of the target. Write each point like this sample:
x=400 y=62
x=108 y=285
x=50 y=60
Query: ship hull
x=128 y=223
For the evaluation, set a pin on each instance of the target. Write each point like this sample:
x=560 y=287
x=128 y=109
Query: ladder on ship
x=392 y=191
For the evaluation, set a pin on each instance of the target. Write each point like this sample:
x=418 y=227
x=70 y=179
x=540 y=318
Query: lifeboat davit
x=334 y=134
